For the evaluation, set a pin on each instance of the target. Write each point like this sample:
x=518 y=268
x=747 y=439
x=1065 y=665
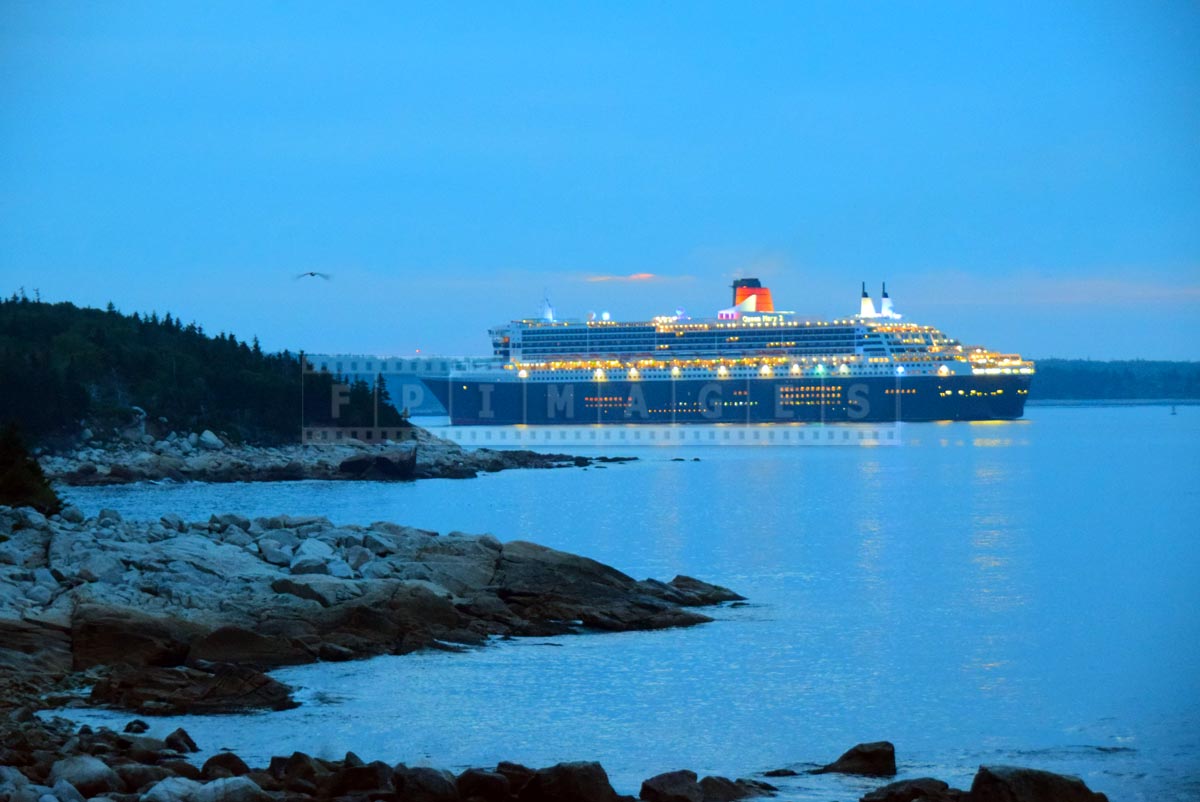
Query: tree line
x=63 y=367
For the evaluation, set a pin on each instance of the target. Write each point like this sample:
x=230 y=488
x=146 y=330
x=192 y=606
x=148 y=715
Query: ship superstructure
x=751 y=363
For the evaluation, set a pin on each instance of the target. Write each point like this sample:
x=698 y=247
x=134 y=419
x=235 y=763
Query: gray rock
x=308 y=565
x=10 y=556
x=377 y=544
x=210 y=441
x=72 y=514
x=173 y=521
x=108 y=517
x=193 y=439
x=339 y=568
x=172 y=789
x=272 y=552
x=236 y=537
x=230 y=789
x=357 y=557
x=88 y=774
x=876 y=759
x=32 y=519
x=101 y=567
x=317 y=549
x=44 y=577
x=39 y=594
x=376 y=569
x=65 y=792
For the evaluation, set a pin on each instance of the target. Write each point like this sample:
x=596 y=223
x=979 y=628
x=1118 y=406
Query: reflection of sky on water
x=1026 y=600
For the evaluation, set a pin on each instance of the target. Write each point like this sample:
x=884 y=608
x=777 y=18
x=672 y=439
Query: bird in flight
x=315 y=273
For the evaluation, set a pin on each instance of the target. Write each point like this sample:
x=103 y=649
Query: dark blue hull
x=733 y=400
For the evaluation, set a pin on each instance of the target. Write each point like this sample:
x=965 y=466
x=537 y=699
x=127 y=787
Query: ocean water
x=1024 y=593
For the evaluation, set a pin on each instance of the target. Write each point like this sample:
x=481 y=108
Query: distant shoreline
x=1113 y=402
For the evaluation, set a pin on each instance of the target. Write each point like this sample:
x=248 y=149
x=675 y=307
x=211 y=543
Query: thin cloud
x=634 y=277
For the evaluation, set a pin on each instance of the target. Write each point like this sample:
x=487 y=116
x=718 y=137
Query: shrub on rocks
x=22 y=483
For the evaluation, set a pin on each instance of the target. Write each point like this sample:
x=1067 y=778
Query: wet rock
x=569 y=782
x=180 y=741
x=89 y=775
x=489 y=786
x=421 y=784
x=136 y=726
x=108 y=516
x=375 y=776
x=223 y=764
x=926 y=788
x=876 y=759
x=518 y=775
x=220 y=688
x=1015 y=784
x=722 y=789
x=72 y=514
x=673 y=786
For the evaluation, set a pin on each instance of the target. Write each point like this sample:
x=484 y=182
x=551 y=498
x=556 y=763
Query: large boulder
x=210 y=441
x=172 y=789
x=489 y=786
x=1016 y=784
x=219 y=688
x=925 y=788
x=360 y=778
x=88 y=774
x=423 y=784
x=230 y=789
x=103 y=635
x=224 y=764
x=673 y=786
x=569 y=782
x=722 y=789
x=876 y=759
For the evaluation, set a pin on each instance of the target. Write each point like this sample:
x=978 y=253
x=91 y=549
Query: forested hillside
x=1085 y=380
x=63 y=367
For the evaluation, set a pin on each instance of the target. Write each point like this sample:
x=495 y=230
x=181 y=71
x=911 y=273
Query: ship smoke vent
x=867 y=306
x=885 y=304
x=745 y=289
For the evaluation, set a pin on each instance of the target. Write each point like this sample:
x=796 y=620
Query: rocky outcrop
x=1015 y=784
x=876 y=759
x=209 y=458
x=683 y=786
x=183 y=617
x=923 y=788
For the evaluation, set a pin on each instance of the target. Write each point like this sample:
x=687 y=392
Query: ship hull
x=475 y=401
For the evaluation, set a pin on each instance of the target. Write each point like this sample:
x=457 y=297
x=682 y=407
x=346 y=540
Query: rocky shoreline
x=171 y=617
x=209 y=457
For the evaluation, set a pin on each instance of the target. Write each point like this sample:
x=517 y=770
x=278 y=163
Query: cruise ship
x=749 y=364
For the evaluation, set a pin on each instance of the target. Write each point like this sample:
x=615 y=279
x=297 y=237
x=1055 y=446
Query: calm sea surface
x=1023 y=593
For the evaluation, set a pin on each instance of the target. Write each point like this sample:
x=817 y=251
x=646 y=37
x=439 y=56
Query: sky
x=1024 y=176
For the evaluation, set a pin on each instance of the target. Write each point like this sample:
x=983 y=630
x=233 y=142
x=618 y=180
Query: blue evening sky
x=1024 y=175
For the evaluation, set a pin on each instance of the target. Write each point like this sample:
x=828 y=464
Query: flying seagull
x=318 y=274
